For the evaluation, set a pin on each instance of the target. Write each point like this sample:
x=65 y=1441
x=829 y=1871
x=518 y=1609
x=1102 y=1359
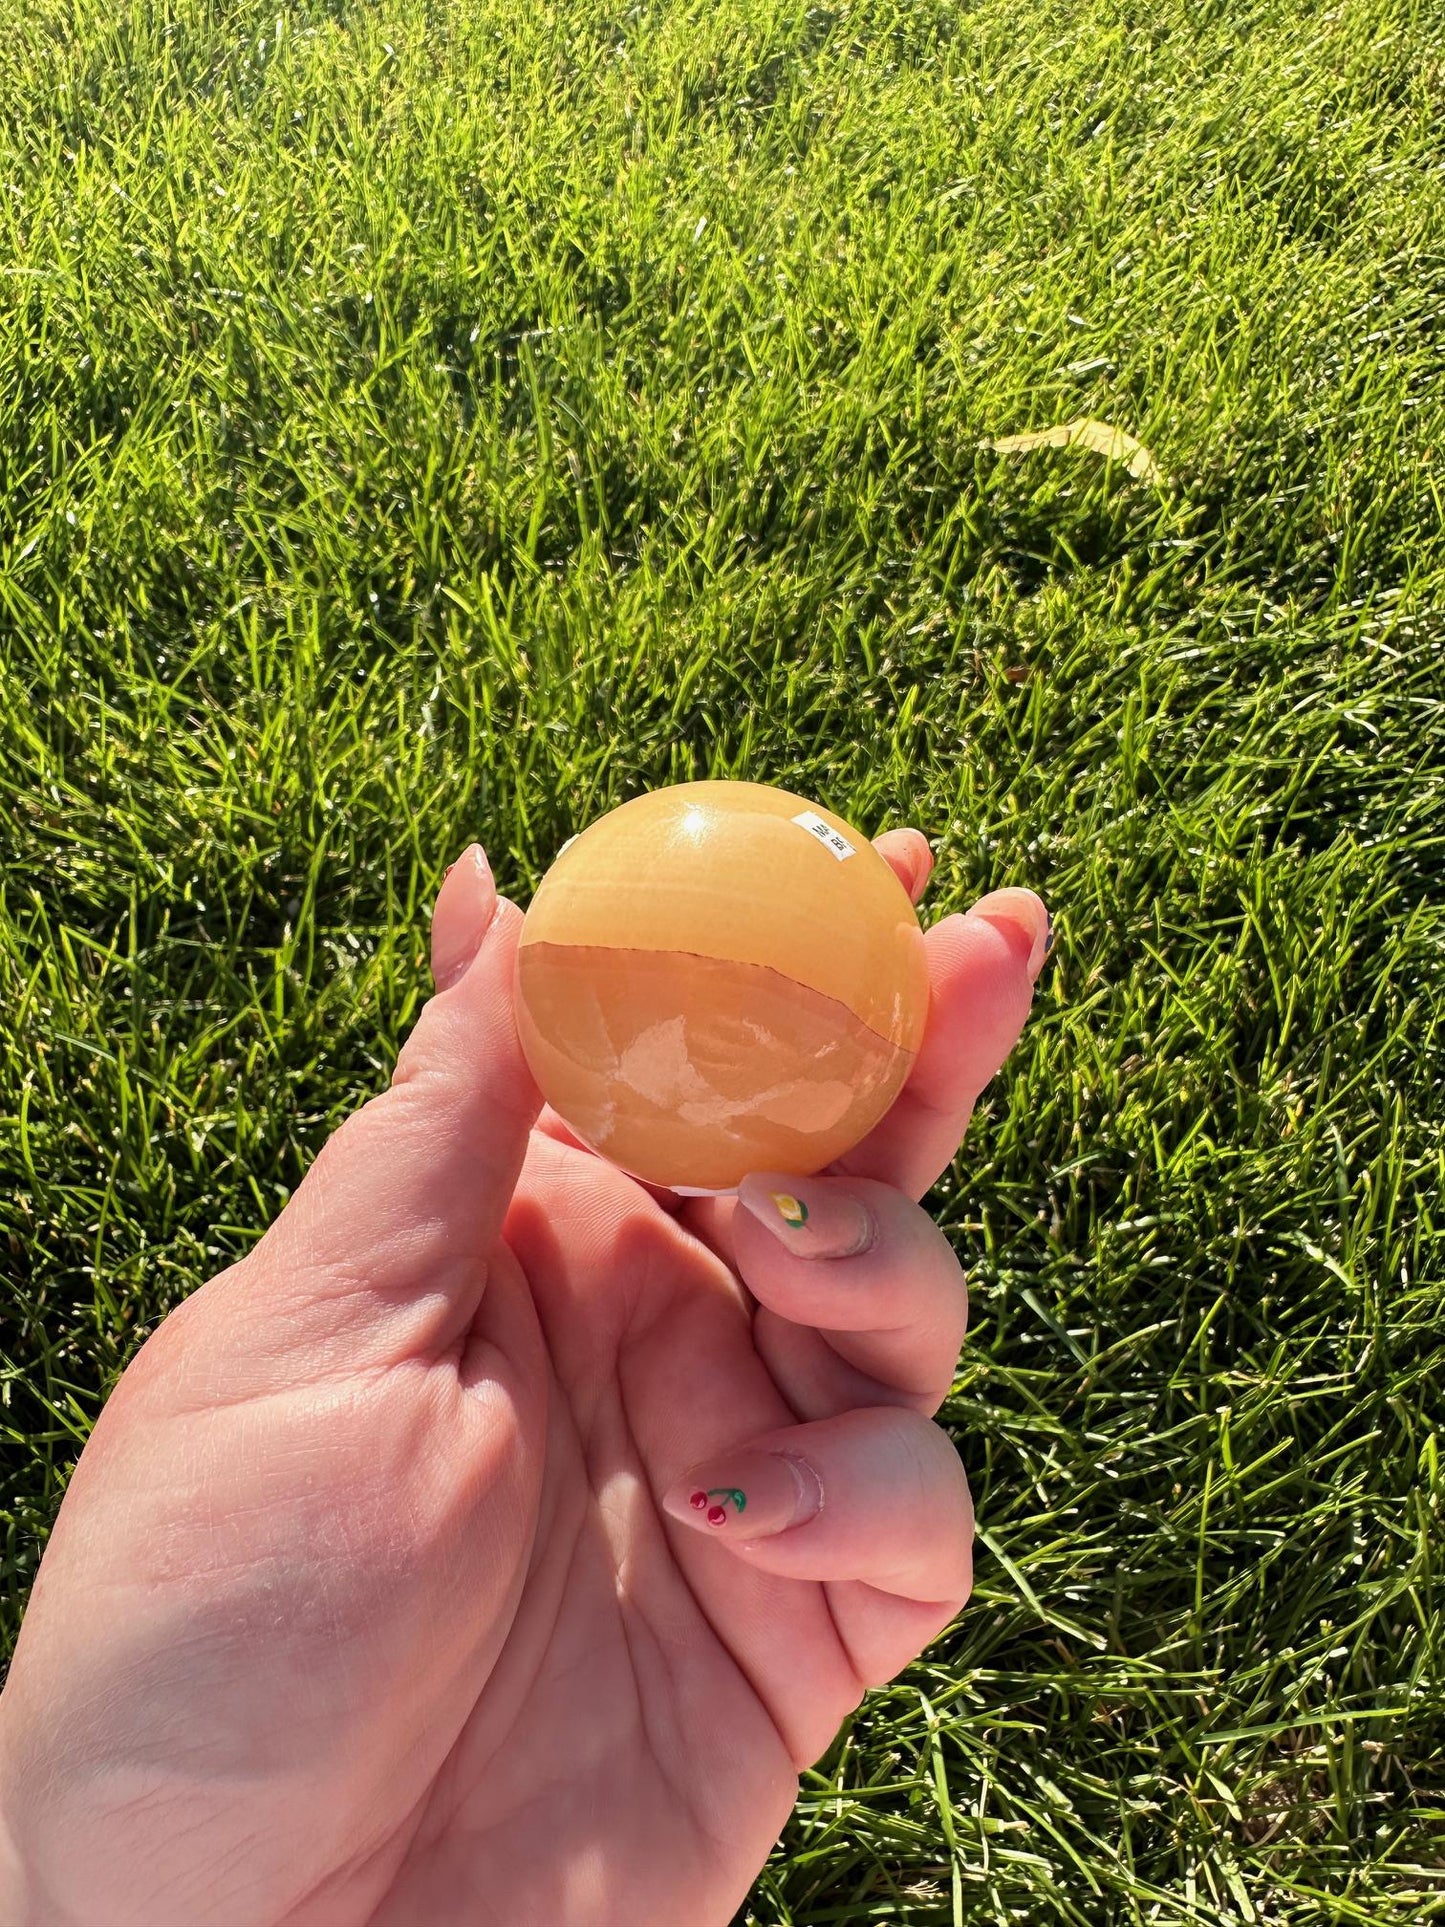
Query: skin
x=376 y=1596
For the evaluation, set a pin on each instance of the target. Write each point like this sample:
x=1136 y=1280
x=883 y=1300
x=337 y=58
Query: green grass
x=446 y=420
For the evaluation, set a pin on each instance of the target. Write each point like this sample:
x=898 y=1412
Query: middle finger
x=861 y=1298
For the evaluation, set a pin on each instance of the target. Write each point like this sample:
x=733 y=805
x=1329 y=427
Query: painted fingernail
x=810 y=1217
x=1022 y=918
x=748 y=1495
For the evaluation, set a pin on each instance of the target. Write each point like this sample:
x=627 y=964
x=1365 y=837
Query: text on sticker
x=825 y=833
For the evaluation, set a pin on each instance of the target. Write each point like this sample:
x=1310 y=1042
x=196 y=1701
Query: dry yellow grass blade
x=1086 y=432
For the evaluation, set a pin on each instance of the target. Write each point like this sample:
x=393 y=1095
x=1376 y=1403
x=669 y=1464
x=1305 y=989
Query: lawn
x=428 y=421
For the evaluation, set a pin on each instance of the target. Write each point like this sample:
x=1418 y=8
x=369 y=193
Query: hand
x=379 y=1593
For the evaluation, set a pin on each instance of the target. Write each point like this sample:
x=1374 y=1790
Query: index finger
x=982 y=966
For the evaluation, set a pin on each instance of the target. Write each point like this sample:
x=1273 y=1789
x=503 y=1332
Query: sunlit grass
x=445 y=422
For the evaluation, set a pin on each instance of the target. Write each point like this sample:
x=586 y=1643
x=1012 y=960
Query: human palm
x=379 y=1595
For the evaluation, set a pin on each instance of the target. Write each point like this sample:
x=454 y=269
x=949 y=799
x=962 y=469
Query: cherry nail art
x=781 y=1491
x=728 y=1494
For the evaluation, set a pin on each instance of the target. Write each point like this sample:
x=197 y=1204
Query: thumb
x=405 y=1203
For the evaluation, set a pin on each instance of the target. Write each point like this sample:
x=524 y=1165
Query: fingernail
x=1023 y=919
x=925 y=869
x=813 y=1218
x=748 y=1495
x=460 y=920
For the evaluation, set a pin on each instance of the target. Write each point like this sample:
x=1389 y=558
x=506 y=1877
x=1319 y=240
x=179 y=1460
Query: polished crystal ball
x=719 y=978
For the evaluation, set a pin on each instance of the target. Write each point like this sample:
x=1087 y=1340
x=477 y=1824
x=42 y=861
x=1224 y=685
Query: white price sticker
x=830 y=838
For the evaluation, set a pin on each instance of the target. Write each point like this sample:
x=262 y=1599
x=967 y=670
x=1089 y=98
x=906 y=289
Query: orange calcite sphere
x=720 y=978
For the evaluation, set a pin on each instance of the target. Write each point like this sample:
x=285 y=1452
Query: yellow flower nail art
x=792 y=1210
